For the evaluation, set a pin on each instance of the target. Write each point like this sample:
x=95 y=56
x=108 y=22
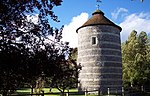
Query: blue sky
x=130 y=15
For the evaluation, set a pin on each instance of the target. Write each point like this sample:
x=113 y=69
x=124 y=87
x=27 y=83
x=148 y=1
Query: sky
x=128 y=14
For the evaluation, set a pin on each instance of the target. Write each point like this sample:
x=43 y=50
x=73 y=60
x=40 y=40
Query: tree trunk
x=62 y=94
x=4 y=93
x=31 y=90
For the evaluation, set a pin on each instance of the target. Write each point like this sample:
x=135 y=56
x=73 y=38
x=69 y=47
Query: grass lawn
x=54 y=92
x=46 y=90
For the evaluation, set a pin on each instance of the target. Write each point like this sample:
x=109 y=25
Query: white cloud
x=33 y=18
x=30 y=18
x=69 y=31
x=139 y=22
x=117 y=12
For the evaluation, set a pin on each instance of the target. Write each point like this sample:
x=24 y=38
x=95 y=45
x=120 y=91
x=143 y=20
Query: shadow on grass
x=54 y=92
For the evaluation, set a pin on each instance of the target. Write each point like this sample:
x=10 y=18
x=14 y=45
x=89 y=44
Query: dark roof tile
x=98 y=18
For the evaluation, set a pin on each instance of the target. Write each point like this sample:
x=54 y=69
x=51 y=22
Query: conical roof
x=98 y=18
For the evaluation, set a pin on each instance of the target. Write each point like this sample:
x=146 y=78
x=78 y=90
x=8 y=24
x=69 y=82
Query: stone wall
x=101 y=62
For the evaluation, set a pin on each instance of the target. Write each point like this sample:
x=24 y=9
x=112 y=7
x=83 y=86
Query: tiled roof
x=98 y=18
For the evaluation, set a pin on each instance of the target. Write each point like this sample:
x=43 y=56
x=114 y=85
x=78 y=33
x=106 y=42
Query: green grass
x=54 y=90
x=46 y=90
x=24 y=90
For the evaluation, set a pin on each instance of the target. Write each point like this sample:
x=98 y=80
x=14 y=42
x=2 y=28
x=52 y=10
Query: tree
x=11 y=69
x=66 y=76
x=129 y=51
x=142 y=60
x=20 y=39
x=136 y=66
x=27 y=46
x=74 y=54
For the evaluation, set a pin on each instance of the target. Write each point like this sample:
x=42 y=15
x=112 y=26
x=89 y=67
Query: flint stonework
x=101 y=61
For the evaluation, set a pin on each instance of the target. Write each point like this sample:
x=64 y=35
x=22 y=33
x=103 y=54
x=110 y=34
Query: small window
x=93 y=40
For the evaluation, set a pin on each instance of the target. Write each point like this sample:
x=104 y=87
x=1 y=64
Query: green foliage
x=135 y=58
x=66 y=76
x=74 y=53
x=26 y=51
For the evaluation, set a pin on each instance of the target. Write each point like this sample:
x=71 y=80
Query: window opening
x=93 y=40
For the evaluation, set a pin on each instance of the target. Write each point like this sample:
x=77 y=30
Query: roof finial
x=98 y=3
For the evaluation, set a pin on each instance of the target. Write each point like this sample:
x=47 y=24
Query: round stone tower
x=99 y=53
